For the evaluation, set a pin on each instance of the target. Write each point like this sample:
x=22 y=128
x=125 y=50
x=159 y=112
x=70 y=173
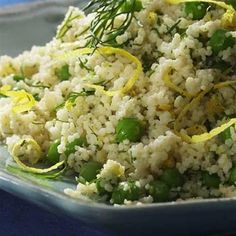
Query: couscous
x=136 y=99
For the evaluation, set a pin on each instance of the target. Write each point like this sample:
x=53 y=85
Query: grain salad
x=135 y=99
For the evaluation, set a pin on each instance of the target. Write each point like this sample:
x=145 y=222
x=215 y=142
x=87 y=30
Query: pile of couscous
x=136 y=99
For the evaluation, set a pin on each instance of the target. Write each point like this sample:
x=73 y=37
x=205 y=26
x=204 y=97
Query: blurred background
x=24 y=23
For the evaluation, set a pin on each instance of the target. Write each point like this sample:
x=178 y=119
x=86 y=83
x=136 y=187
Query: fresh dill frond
x=102 y=28
x=74 y=95
x=67 y=24
x=82 y=64
x=173 y=27
x=71 y=98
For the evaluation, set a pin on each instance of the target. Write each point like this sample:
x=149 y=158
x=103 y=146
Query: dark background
x=21 y=218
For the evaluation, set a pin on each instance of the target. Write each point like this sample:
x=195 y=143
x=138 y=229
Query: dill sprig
x=67 y=24
x=74 y=95
x=71 y=98
x=103 y=29
x=82 y=64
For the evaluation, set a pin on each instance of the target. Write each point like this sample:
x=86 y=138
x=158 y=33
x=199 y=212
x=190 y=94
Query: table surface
x=19 y=217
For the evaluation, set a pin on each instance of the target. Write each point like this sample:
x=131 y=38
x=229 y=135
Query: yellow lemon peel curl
x=37 y=149
x=21 y=100
x=108 y=51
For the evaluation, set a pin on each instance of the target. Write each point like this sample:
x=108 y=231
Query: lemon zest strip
x=205 y=136
x=22 y=101
x=229 y=17
x=171 y=85
x=110 y=50
x=188 y=106
x=224 y=84
x=28 y=168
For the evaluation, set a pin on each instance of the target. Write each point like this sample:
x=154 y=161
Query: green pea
x=18 y=78
x=90 y=170
x=100 y=187
x=159 y=190
x=232 y=3
x=196 y=10
x=221 y=40
x=63 y=73
x=225 y=135
x=70 y=147
x=210 y=180
x=129 y=128
x=232 y=176
x=53 y=156
x=172 y=177
x=131 y=6
x=126 y=190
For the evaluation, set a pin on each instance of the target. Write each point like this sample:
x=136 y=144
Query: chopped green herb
x=100 y=187
x=172 y=177
x=225 y=135
x=70 y=147
x=173 y=27
x=221 y=40
x=217 y=63
x=63 y=73
x=159 y=190
x=128 y=190
x=210 y=180
x=82 y=64
x=74 y=95
x=147 y=62
x=36 y=97
x=18 y=78
x=232 y=176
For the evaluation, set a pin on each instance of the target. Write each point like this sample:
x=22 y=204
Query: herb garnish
x=103 y=29
x=67 y=25
x=71 y=98
x=82 y=64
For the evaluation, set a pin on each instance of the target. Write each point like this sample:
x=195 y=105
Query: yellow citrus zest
x=190 y=105
x=38 y=151
x=172 y=86
x=207 y=135
x=224 y=84
x=21 y=100
x=108 y=51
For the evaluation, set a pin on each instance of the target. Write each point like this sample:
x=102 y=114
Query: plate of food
x=126 y=116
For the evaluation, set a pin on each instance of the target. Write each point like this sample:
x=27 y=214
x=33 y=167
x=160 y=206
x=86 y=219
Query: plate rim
x=8 y=179
x=12 y=179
